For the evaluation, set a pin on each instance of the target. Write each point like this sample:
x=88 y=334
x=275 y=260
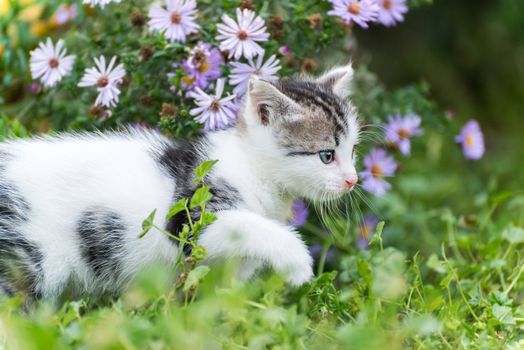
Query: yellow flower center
x=354 y=8
x=377 y=171
x=403 y=133
x=365 y=231
x=470 y=141
x=204 y=67
x=388 y=4
x=188 y=80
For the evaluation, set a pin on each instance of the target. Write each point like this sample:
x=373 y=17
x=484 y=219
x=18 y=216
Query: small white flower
x=102 y=3
x=106 y=79
x=214 y=112
x=177 y=21
x=240 y=37
x=242 y=72
x=50 y=63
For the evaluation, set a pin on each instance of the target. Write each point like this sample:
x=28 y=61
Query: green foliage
x=445 y=266
x=378 y=298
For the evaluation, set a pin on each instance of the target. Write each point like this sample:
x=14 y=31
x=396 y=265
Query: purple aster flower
x=242 y=72
x=202 y=65
x=300 y=213
x=400 y=129
x=177 y=21
x=378 y=165
x=214 y=112
x=366 y=231
x=358 y=11
x=239 y=38
x=472 y=140
x=391 y=11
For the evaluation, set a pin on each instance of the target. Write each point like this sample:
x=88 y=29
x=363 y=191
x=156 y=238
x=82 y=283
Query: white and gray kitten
x=71 y=206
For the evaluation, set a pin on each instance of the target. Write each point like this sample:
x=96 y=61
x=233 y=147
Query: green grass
x=467 y=295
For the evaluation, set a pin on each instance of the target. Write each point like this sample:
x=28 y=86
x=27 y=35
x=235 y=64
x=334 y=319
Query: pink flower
x=472 y=140
x=240 y=38
x=284 y=50
x=358 y=11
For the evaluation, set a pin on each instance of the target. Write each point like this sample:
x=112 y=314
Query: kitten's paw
x=298 y=268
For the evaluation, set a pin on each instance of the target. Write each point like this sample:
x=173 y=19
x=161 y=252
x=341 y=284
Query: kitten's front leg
x=246 y=235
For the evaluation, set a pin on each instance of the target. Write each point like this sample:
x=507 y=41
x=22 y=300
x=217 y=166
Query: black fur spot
x=101 y=231
x=180 y=160
x=20 y=259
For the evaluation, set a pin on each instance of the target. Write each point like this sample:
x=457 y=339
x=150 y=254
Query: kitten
x=71 y=206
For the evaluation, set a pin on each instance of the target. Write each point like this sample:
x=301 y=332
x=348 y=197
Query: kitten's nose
x=350 y=182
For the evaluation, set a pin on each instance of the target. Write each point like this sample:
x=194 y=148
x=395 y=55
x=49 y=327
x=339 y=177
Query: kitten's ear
x=269 y=103
x=339 y=80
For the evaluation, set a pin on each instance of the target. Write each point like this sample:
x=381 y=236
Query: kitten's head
x=304 y=132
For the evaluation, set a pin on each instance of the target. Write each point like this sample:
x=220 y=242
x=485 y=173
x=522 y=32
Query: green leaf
x=208 y=218
x=435 y=264
x=177 y=208
x=147 y=224
x=203 y=169
x=199 y=252
x=503 y=313
x=513 y=234
x=195 y=276
x=201 y=197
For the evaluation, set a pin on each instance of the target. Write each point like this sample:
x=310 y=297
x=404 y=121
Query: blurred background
x=471 y=53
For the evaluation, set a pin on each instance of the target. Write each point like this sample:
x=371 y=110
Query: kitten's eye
x=327 y=156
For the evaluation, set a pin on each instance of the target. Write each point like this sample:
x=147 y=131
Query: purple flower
x=358 y=11
x=240 y=37
x=366 y=230
x=177 y=21
x=300 y=213
x=202 y=65
x=214 y=112
x=472 y=140
x=378 y=165
x=400 y=129
x=242 y=72
x=391 y=11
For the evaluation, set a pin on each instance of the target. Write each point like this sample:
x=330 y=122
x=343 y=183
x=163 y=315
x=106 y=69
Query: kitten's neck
x=244 y=165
